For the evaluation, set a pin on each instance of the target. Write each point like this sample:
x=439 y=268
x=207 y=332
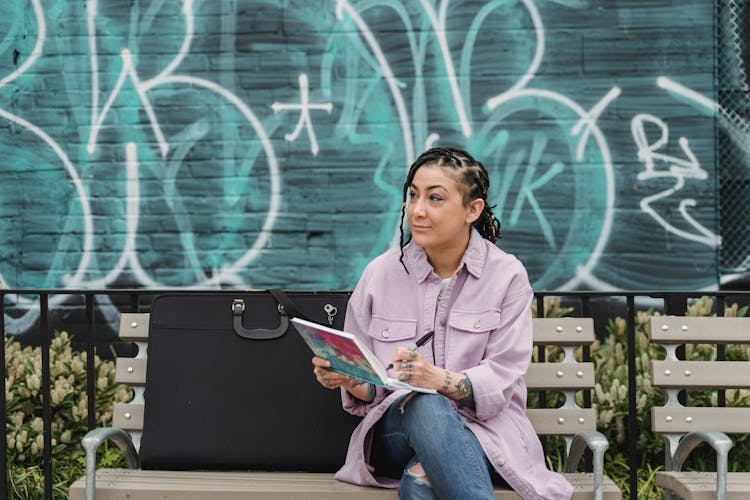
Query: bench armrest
x=719 y=441
x=598 y=444
x=93 y=440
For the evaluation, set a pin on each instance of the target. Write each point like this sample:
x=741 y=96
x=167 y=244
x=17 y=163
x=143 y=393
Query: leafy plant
x=69 y=405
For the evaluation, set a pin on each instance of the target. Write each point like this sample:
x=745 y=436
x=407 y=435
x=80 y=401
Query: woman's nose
x=418 y=206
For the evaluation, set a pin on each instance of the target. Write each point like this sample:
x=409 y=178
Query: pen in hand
x=419 y=343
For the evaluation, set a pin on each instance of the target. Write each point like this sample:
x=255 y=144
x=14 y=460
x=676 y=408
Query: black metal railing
x=584 y=304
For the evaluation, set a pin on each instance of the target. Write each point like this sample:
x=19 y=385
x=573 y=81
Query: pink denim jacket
x=482 y=327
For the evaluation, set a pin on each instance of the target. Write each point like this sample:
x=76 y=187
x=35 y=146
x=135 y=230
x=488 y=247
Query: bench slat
x=134 y=327
x=560 y=376
x=131 y=371
x=128 y=416
x=702 y=485
x=699 y=330
x=730 y=420
x=193 y=485
x=563 y=331
x=547 y=421
x=700 y=374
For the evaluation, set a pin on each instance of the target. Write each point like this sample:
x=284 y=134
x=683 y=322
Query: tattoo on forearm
x=446 y=383
x=462 y=392
x=370 y=392
x=370 y=389
x=465 y=393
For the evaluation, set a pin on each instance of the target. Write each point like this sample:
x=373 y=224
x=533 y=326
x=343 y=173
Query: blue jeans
x=426 y=429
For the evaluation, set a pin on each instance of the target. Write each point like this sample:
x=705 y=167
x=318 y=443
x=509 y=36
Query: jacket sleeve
x=358 y=313
x=508 y=352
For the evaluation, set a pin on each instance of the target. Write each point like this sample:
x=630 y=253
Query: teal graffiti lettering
x=529 y=185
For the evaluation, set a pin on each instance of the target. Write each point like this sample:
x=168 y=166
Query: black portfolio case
x=230 y=385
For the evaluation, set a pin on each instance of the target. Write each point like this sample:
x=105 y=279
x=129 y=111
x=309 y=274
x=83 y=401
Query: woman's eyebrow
x=430 y=188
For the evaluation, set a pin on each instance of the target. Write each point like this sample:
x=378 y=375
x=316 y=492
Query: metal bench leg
x=93 y=440
x=598 y=444
x=720 y=442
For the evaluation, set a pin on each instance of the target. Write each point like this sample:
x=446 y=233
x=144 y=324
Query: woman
x=468 y=303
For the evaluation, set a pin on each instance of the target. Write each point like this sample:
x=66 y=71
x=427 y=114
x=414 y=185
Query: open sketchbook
x=348 y=355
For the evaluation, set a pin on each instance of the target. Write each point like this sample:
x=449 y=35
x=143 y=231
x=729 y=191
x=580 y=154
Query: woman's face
x=437 y=216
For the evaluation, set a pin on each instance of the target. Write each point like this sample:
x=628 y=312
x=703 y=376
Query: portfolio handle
x=238 y=306
x=286 y=309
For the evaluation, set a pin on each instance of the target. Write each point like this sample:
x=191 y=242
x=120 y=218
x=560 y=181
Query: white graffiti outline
x=343 y=5
x=536 y=19
x=679 y=169
x=733 y=123
x=681 y=90
x=586 y=127
x=587 y=119
x=128 y=70
x=438 y=24
x=516 y=91
x=304 y=108
x=228 y=274
x=38 y=45
x=29 y=317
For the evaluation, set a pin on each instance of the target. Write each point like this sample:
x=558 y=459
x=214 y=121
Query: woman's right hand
x=327 y=378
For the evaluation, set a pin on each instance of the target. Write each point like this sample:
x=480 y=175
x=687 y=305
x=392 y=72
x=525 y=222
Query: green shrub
x=69 y=405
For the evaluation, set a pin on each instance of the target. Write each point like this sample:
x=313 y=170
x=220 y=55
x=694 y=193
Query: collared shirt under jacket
x=482 y=328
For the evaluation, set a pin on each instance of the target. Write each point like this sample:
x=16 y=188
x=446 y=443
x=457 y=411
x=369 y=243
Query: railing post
x=586 y=313
x=633 y=461
x=46 y=404
x=541 y=356
x=721 y=351
x=90 y=362
x=675 y=303
x=135 y=302
x=3 y=408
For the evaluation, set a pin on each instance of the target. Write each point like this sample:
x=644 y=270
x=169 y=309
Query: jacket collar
x=473 y=259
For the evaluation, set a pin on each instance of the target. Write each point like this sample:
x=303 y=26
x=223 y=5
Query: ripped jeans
x=426 y=429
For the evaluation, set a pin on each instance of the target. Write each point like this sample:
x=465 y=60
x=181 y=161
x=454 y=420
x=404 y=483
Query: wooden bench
x=686 y=427
x=577 y=425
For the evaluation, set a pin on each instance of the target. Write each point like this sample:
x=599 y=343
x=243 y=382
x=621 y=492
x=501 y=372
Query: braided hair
x=473 y=182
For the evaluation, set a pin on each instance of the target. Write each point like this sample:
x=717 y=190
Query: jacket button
x=477 y=325
x=500 y=461
x=385 y=334
x=442 y=322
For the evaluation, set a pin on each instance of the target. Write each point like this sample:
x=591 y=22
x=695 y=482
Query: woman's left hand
x=411 y=367
x=328 y=378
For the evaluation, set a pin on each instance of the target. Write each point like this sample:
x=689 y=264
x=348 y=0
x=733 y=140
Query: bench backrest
x=674 y=375
x=567 y=376
x=132 y=371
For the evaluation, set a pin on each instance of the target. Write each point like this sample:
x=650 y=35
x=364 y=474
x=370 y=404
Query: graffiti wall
x=255 y=144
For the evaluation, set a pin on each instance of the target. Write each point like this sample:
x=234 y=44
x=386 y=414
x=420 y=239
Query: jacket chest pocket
x=389 y=333
x=469 y=331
